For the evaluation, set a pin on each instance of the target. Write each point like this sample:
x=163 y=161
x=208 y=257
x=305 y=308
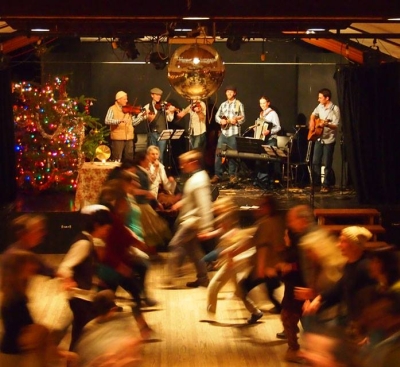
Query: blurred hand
x=304 y=294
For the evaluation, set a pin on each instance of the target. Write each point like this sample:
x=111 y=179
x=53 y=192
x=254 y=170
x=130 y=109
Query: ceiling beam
x=349 y=52
x=17 y=42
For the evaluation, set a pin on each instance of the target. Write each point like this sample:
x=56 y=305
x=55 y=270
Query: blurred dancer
x=24 y=342
x=195 y=216
x=78 y=267
x=111 y=339
x=30 y=230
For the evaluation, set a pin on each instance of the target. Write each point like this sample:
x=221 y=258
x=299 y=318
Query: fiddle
x=196 y=104
x=134 y=110
x=164 y=106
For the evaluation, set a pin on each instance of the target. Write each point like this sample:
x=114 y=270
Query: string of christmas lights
x=50 y=133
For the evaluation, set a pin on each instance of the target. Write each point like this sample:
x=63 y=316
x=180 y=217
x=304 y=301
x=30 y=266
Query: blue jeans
x=232 y=163
x=198 y=141
x=161 y=144
x=323 y=156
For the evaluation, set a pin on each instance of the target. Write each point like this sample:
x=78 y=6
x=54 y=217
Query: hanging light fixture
x=196 y=71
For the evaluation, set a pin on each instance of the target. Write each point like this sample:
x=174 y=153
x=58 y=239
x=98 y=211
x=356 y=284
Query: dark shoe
x=274 y=310
x=215 y=180
x=281 y=335
x=254 y=318
x=150 y=302
x=198 y=283
x=233 y=180
x=294 y=356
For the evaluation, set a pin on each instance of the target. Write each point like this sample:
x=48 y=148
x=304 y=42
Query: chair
x=283 y=142
x=296 y=166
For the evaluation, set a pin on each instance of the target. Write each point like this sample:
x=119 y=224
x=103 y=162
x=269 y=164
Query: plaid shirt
x=230 y=110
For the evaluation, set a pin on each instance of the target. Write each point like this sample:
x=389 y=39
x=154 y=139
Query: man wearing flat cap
x=158 y=115
x=121 y=125
x=230 y=116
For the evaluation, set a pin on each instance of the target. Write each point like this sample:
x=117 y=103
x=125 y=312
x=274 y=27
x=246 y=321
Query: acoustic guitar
x=316 y=129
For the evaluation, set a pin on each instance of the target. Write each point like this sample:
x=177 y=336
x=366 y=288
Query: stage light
x=128 y=45
x=158 y=59
x=234 y=42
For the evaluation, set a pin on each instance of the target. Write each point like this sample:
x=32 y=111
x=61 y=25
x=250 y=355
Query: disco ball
x=196 y=71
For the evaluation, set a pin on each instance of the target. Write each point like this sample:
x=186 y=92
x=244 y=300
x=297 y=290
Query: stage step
x=357 y=216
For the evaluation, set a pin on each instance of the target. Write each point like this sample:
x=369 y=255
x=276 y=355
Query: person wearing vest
x=79 y=265
x=158 y=114
x=121 y=126
x=230 y=116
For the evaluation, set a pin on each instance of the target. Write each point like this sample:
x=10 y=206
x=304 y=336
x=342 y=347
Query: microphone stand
x=289 y=145
x=168 y=146
x=341 y=192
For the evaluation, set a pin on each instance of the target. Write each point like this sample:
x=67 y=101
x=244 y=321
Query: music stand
x=166 y=134
x=177 y=134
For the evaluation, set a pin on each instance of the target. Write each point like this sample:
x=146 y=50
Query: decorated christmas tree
x=54 y=134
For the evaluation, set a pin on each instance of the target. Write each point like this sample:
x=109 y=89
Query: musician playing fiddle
x=230 y=116
x=122 y=128
x=197 y=123
x=157 y=113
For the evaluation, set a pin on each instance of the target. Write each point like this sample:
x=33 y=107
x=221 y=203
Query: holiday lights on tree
x=50 y=131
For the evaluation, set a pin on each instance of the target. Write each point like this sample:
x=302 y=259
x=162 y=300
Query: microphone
x=253 y=126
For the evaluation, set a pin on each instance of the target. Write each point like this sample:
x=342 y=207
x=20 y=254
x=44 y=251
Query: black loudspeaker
x=372 y=57
x=62 y=228
x=140 y=142
x=391 y=222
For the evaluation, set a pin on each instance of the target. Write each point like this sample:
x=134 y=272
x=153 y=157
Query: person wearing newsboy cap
x=158 y=114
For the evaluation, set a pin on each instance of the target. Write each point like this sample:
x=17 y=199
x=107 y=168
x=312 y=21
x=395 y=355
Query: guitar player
x=325 y=118
x=230 y=116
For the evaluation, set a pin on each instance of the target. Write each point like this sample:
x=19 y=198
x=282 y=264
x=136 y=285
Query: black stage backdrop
x=369 y=98
x=8 y=186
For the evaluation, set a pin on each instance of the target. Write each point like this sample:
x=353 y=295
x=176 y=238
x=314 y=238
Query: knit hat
x=120 y=94
x=359 y=235
x=231 y=87
x=104 y=301
x=90 y=209
x=156 y=91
